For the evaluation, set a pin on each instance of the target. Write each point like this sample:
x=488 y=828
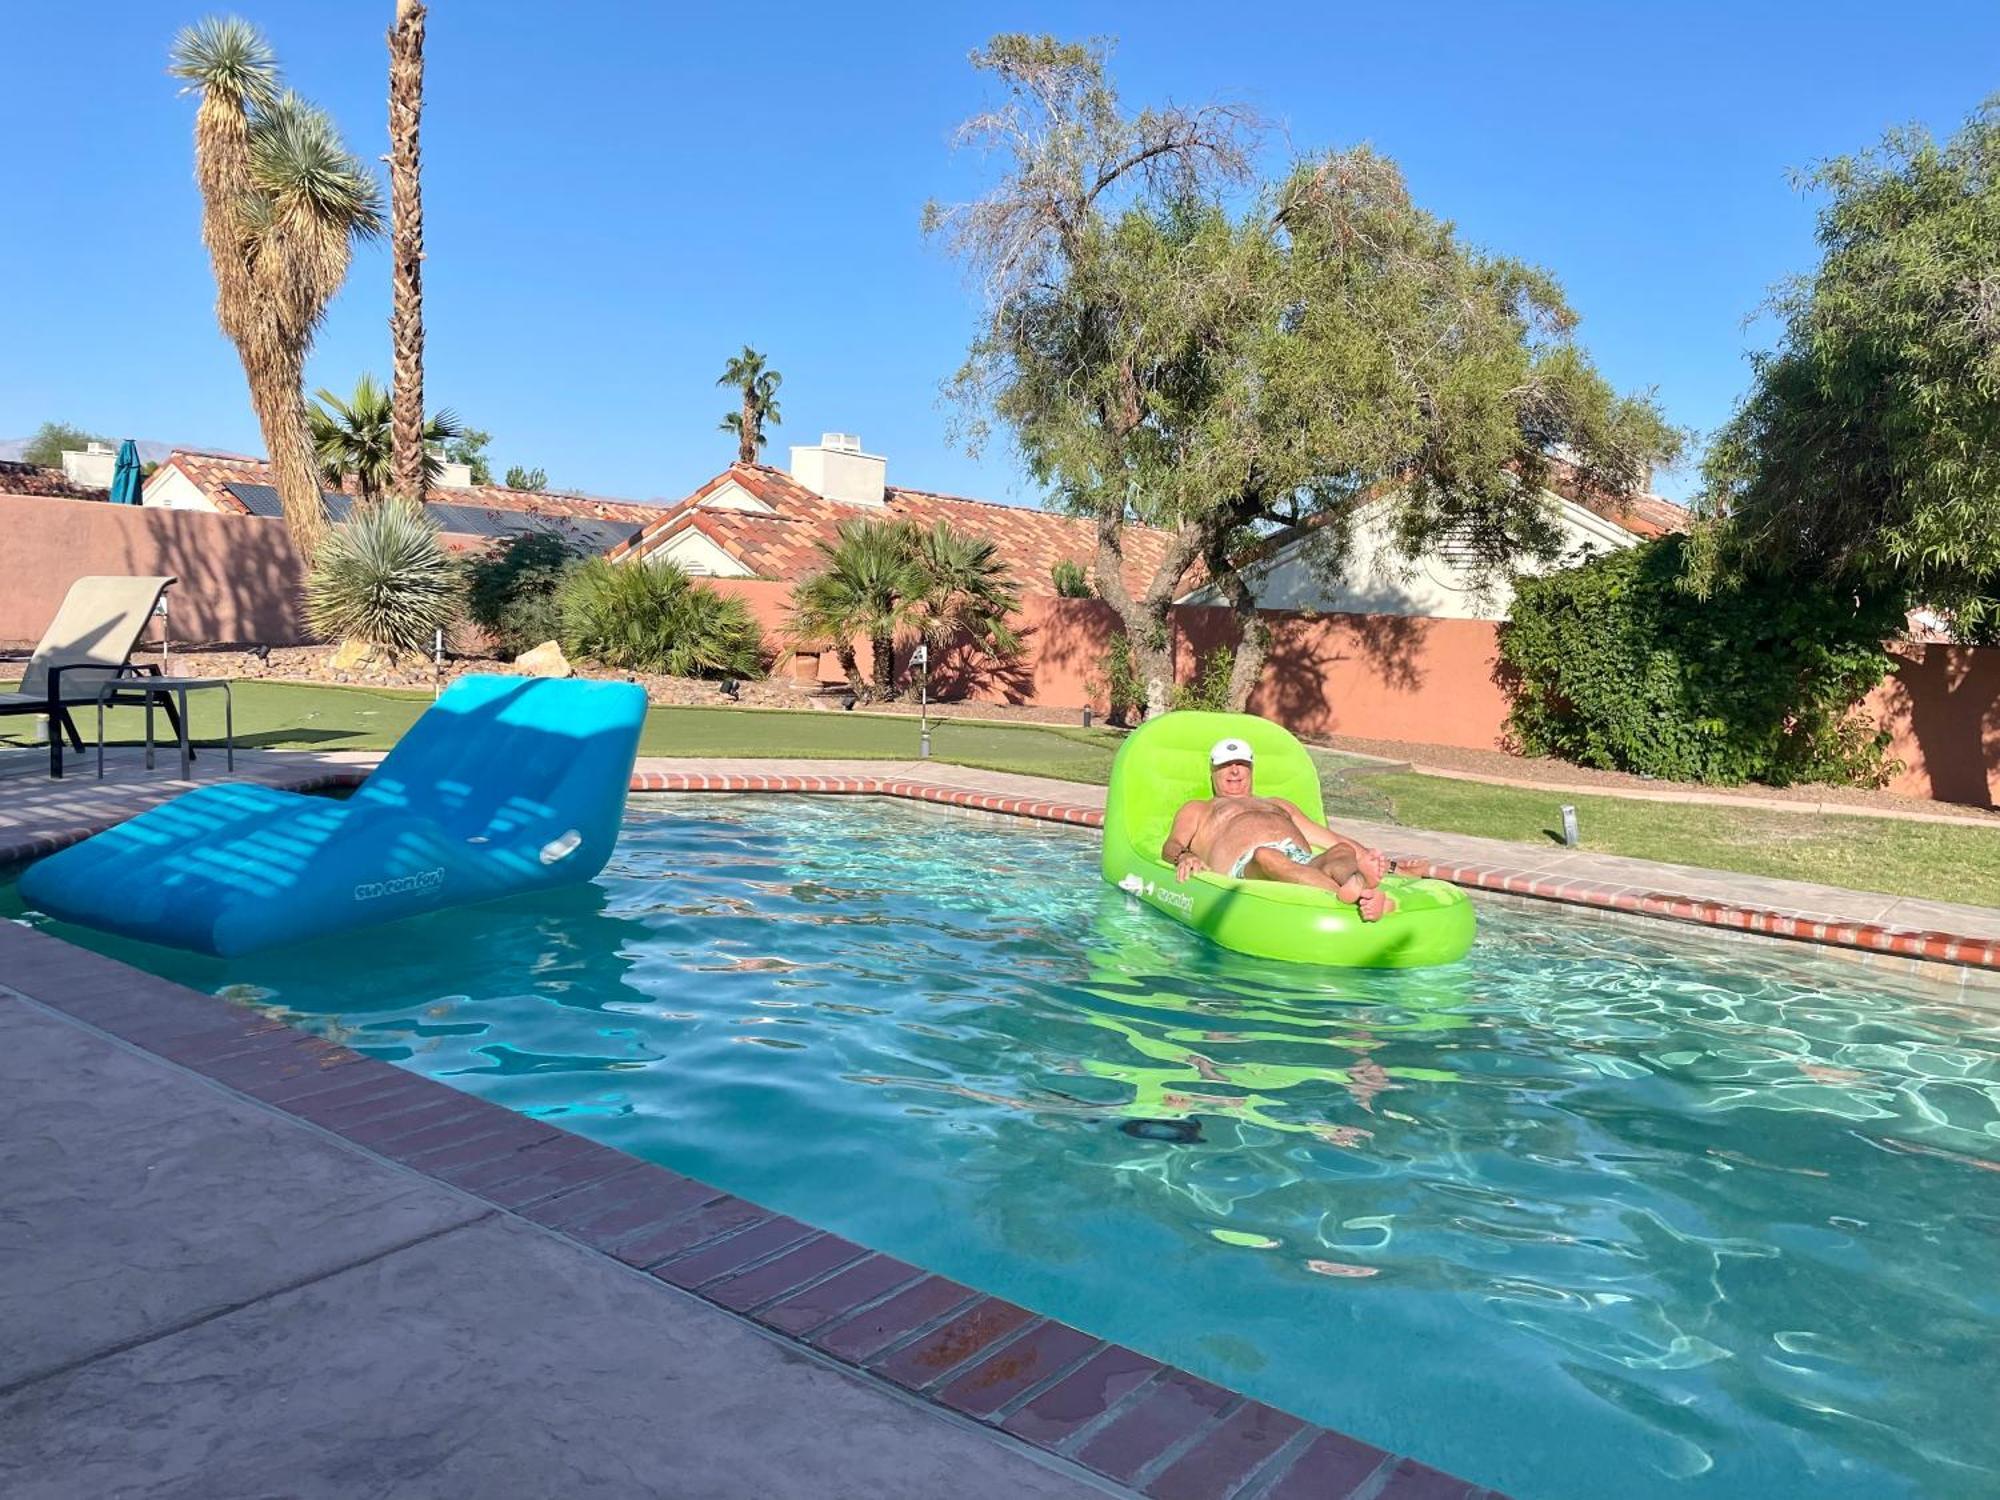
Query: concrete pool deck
x=1937 y=941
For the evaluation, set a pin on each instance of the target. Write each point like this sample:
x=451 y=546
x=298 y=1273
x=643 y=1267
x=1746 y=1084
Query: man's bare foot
x=1374 y=905
x=1373 y=865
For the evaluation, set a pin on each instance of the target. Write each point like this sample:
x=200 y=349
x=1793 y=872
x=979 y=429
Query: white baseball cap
x=1227 y=752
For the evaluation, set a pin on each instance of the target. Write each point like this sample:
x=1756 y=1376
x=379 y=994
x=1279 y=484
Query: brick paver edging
x=1900 y=942
x=1162 y=1431
x=1945 y=948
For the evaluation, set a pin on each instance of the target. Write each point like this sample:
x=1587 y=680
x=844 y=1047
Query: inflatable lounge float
x=1164 y=763
x=505 y=785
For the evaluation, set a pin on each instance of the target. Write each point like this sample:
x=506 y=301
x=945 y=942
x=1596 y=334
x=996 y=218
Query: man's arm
x=1178 y=850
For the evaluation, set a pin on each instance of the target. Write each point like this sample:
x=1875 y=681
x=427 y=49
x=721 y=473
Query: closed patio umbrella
x=125 y=478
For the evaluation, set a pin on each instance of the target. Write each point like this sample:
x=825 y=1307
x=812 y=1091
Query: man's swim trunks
x=1287 y=847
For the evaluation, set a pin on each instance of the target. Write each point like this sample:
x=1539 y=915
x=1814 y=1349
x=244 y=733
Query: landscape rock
x=352 y=656
x=546 y=660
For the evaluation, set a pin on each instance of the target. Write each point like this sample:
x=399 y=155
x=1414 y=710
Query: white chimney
x=95 y=467
x=838 y=470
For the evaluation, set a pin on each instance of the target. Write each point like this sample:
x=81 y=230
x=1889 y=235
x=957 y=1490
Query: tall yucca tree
x=412 y=473
x=283 y=203
x=759 y=385
x=355 y=435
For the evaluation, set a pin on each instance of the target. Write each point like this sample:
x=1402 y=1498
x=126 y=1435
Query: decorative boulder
x=546 y=660
x=352 y=656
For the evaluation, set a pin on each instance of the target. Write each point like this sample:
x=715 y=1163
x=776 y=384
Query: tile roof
x=1643 y=514
x=243 y=486
x=35 y=480
x=783 y=544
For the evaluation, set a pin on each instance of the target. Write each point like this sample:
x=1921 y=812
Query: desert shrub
x=1210 y=689
x=651 y=617
x=1118 y=684
x=512 y=589
x=1614 y=664
x=1071 y=581
x=384 y=577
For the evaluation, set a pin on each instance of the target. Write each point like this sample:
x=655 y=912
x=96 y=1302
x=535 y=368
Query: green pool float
x=1164 y=763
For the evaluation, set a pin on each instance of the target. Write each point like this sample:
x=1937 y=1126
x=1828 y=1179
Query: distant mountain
x=150 y=452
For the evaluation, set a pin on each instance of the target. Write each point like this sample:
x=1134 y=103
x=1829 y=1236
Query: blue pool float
x=505 y=785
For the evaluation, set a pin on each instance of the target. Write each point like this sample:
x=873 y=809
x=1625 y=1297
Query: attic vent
x=1456 y=548
x=843 y=442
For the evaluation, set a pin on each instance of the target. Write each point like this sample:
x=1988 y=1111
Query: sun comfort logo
x=1180 y=901
x=422 y=881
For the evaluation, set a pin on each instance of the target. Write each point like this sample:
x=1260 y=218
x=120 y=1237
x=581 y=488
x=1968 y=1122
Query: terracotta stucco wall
x=240 y=579
x=1942 y=705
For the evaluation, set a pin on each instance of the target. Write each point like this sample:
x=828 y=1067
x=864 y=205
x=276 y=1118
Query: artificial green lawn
x=286 y=715
x=1940 y=861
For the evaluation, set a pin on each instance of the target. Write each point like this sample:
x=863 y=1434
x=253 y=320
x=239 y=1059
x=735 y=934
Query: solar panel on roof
x=479 y=520
x=461 y=520
x=262 y=500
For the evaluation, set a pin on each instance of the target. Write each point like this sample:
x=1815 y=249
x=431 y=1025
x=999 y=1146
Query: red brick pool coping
x=1157 y=1430
x=1951 y=950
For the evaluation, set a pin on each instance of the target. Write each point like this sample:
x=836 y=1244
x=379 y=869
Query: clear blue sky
x=617 y=196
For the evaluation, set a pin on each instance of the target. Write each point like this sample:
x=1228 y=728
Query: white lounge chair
x=89 y=643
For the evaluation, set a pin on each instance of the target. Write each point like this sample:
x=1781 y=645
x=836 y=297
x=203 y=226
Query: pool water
x=1596 y=1212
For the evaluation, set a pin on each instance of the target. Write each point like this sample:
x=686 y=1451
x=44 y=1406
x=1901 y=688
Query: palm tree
x=868 y=586
x=412 y=467
x=283 y=202
x=760 y=390
x=964 y=591
x=357 y=436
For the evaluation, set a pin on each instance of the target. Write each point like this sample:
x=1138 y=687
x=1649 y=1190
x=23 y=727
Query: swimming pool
x=1598 y=1212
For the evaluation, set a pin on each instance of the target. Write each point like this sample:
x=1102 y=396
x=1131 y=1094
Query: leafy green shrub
x=1123 y=693
x=651 y=617
x=1071 y=581
x=1210 y=689
x=384 y=577
x=1614 y=664
x=511 y=590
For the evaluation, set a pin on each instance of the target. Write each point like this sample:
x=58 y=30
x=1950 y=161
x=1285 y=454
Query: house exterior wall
x=170 y=489
x=1378 y=580
x=697 y=554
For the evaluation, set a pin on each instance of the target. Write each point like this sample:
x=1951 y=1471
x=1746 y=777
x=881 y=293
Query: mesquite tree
x=1164 y=355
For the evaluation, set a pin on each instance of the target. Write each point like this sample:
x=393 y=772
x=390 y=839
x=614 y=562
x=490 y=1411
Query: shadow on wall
x=1941 y=705
x=241 y=580
x=962 y=670
x=1307 y=658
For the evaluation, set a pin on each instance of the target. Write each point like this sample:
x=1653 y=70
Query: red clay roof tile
x=45 y=483
x=783 y=545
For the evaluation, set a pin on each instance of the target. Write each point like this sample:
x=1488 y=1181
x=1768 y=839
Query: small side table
x=166 y=690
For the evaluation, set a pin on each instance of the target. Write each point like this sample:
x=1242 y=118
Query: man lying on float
x=1249 y=837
